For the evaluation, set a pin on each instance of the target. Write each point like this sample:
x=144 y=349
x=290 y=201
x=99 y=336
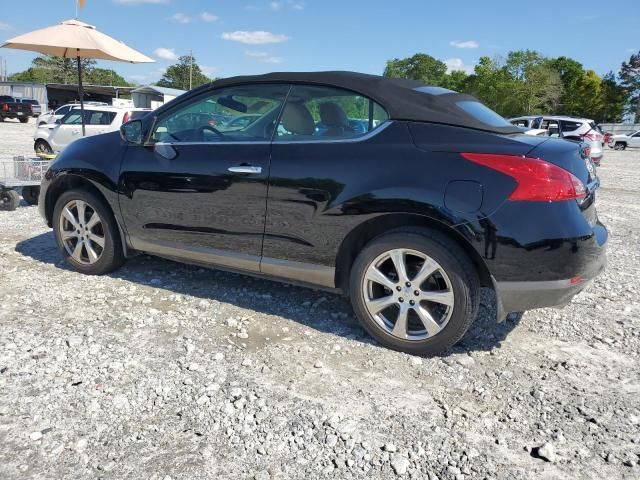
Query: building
x=152 y=96
x=52 y=95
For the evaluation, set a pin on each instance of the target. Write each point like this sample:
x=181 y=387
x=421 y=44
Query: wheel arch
x=71 y=181
x=367 y=231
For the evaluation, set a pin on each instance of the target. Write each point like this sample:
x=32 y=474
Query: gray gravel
x=166 y=371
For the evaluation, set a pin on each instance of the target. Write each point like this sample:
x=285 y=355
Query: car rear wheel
x=414 y=291
x=620 y=146
x=9 y=200
x=23 y=120
x=86 y=233
x=42 y=147
x=30 y=195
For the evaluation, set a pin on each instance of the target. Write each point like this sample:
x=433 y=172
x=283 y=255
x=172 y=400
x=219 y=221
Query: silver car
x=573 y=128
x=54 y=137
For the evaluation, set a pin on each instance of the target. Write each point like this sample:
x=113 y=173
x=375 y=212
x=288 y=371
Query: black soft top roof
x=398 y=96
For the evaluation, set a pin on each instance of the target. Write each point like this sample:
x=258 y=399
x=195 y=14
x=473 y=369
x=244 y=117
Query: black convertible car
x=406 y=198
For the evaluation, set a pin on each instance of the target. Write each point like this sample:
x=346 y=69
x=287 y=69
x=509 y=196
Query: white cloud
x=466 y=44
x=456 y=64
x=254 y=38
x=208 y=70
x=4 y=27
x=140 y=2
x=208 y=17
x=181 y=18
x=165 y=53
x=279 y=5
x=263 y=57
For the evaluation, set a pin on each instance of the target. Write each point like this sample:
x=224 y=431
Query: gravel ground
x=166 y=371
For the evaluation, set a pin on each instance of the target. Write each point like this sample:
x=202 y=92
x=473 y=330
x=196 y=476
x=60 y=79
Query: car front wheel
x=415 y=291
x=620 y=146
x=86 y=233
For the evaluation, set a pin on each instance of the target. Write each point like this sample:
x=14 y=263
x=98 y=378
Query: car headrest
x=297 y=119
x=332 y=115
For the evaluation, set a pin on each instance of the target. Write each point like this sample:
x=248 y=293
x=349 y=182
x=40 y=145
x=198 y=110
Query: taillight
x=5 y=107
x=125 y=119
x=594 y=137
x=538 y=180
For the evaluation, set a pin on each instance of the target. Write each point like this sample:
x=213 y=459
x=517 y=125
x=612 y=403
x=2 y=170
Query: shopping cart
x=25 y=172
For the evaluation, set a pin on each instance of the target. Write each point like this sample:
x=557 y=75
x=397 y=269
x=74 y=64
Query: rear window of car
x=483 y=114
x=569 y=126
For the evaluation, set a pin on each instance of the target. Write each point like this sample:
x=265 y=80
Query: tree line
x=527 y=83
x=50 y=69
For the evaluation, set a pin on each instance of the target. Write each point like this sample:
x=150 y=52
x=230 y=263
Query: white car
x=52 y=115
x=621 y=142
x=572 y=128
x=54 y=137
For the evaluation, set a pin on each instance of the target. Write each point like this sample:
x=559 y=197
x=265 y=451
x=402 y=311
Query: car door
x=69 y=129
x=316 y=152
x=634 y=141
x=198 y=190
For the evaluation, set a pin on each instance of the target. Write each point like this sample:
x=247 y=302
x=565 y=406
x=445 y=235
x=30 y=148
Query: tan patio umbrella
x=76 y=39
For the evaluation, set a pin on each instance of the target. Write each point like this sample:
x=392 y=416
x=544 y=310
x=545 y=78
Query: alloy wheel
x=408 y=294
x=82 y=232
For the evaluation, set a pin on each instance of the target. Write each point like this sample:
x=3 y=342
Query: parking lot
x=168 y=371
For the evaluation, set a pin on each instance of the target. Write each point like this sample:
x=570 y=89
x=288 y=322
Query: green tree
x=587 y=95
x=493 y=85
x=457 y=80
x=61 y=69
x=613 y=100
x=537 y=87
x=630 y=81
x=177 y=76
x=570 y=72
x=421 y=67
x=104 y=76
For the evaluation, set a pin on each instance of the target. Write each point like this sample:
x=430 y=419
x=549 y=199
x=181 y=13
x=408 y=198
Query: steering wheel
x=210 y=128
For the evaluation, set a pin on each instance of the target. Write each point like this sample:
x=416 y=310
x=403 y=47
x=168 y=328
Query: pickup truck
x=621 y=142
x=11 y=108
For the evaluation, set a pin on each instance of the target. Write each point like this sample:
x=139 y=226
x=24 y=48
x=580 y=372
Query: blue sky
x=235 y=37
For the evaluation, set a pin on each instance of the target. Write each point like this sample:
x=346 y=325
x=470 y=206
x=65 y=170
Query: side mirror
x=131 y=132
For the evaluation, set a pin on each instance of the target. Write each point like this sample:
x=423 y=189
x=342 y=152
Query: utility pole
x=190 y=69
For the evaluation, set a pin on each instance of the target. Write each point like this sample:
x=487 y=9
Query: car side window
x=99 y=118
x=552 y=126
x=62 y=110
x=323 y=113
x=246 y=113
x=72 y=118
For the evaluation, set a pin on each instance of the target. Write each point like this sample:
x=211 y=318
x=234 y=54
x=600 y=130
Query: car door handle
x=245 y=169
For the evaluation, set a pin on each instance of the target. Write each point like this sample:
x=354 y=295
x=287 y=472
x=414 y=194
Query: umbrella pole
x=81 y=93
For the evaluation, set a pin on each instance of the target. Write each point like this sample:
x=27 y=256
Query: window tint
x=520 y=123
x=244 y=113
x=323 y=113
x=73 y=118
x=569 y=126
x=482 y=113
x=99 y=118
x=63 y=110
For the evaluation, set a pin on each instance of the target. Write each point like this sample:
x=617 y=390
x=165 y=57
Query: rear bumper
x=519 y=296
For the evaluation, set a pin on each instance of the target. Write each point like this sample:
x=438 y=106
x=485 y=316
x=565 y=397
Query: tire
x=9 y=200
x=109 y=254
x=42 y=146
x=1 y=119
x=23 y=120
x=620 y=146
x=455 y=282
x=42 y=123
x=31 y=194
